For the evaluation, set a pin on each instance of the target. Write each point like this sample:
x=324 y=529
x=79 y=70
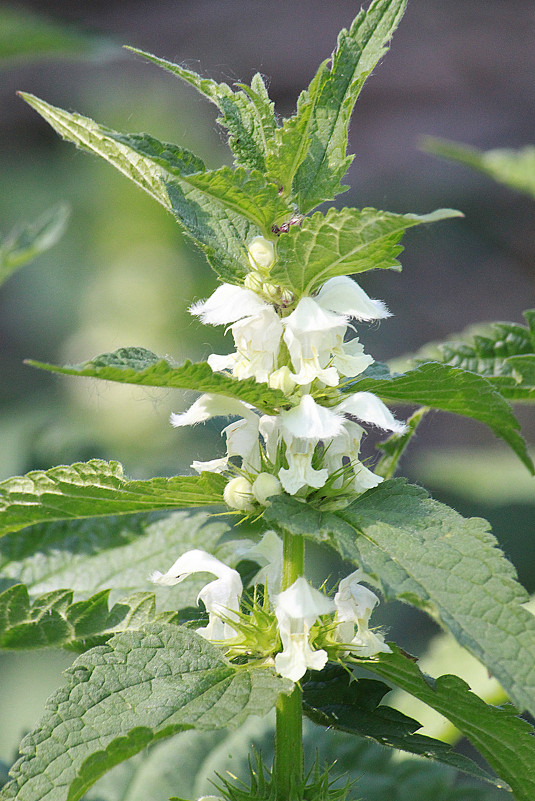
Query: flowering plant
x=301 y=393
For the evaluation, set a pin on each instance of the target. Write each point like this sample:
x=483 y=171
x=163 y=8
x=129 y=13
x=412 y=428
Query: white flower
x=257 y=340
x=269 y=553
x=228 y=304
x=238 y=494
x=310 y=333
x=354 y=605
x=261 y=253
x=300 y=473
x=208 y=406
x=367 y=407
x=342 y=453
x=220 y=597
x=345 y=296
x=242 y=440
x=211 y=466
x=297 y=609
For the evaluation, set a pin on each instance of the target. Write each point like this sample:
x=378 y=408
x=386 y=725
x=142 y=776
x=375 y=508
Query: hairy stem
x=289 y=731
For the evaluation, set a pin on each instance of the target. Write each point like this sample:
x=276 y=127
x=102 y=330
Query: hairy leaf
x=343 y=242
x=515 y=168
x=503 y=353
x=422 y=552
x=393 y=448
x=141 y=366
x=121 y=697
x=451 y=389
x=95 y=488
x=54 y=620
x=505 y=740
x=357 y=53
x=25 y=243
x=334 y=699
x=112 y=553
x=247 y=114
x=220 y=232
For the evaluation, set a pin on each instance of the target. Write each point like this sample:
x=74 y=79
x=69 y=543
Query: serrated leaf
x=503 y=353
x=53 y=620
x=26 y=242
x=505 y=740
x=112 y=553
x=441 y=386
x=514 y=168
x=334 y=699
x=220 y=232
x=343 y=242
x=141 y=366
x=121 y=697
x=357 y=53
x=426 y=554
x=94 y=488
x=247 y=115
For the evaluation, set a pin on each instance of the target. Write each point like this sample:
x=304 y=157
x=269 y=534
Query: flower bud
x=261 y=253
x=238 y=494
x=264 y=486
x=253 y=281
x=271 y=291
x=282 y=379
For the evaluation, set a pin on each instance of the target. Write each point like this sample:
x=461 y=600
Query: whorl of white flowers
x=298 y=348
x=296 y=610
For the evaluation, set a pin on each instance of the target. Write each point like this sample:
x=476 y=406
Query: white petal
x=208 y=406
x=365 y=479
x=309 y=316
x=300 y=472
x=269 y=553
x=367 y=407
x=345 y=296
x=301 y=601
x=309 y=420
x=211 y=466
x=222 y=362
x=228 y=304
x=194 y=561
x=261 y=253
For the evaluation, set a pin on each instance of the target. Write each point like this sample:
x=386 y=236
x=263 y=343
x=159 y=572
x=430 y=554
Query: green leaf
x=504 y=739
x=335 y=700
x=112 y=553
x=247 y=114
x=141 y=366
x=343 y=242
x=451 y=389
x=394 y=447
x=121 y=697
x=424 y=553
x=220 y=232
x=53 y=620
x=357 y=53
x=26 y=242
x=95 y=488
x=514 y=168
x=503 y=353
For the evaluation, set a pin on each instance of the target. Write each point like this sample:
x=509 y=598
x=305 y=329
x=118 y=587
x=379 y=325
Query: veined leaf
x=121 y=697
x=343 y=242
x=504 y=353
x=247 y=115
x=422 y=552
x=334 y=699
x=141 y=366
x=357 y=53
x=25 y=243
x=154 y=166
x=112 y=553
x=514 y=168
x=95 y=488
x=451 y=389
x=54 y=620
x=506 y=741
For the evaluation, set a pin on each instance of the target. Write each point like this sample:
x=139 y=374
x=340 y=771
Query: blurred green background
x=123 y=274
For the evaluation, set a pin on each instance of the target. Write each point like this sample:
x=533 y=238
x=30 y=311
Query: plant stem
x=289 y=732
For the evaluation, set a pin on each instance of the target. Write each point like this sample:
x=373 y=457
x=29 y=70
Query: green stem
x=289 y=764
